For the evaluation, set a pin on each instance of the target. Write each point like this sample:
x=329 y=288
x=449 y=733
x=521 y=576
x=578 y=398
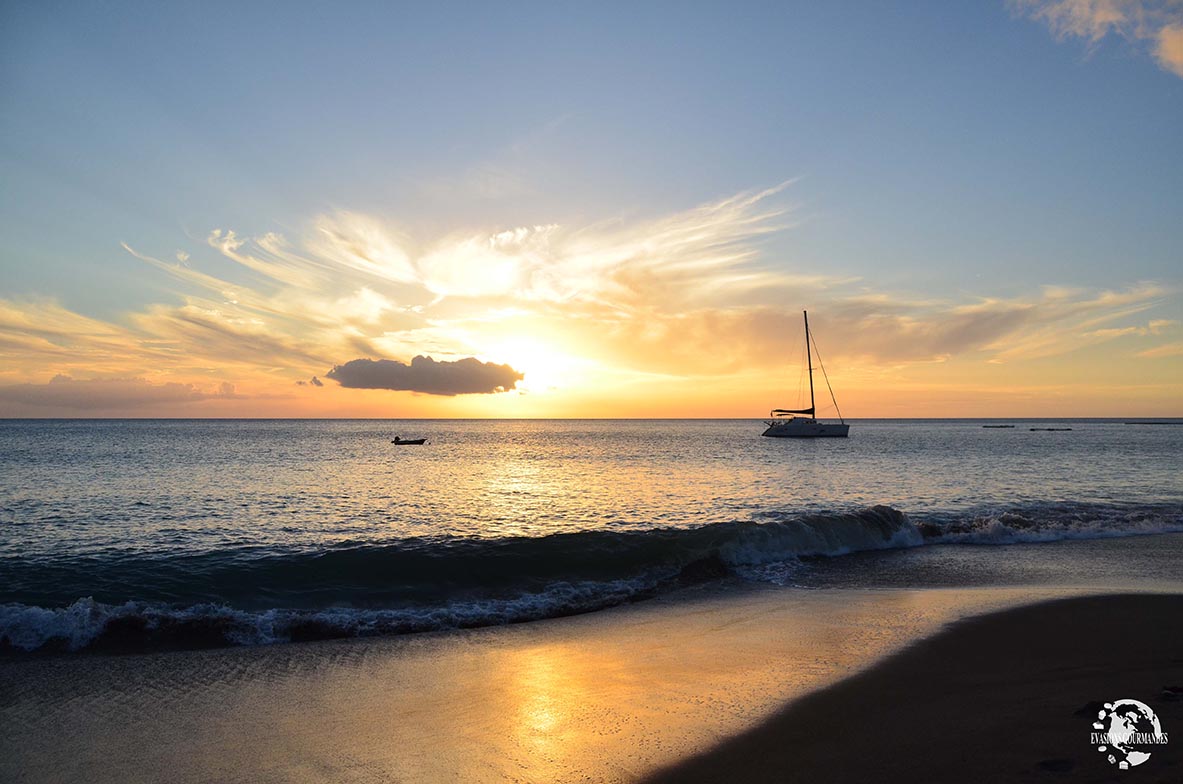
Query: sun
x=546 y=367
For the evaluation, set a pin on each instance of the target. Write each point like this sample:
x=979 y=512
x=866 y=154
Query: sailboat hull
x=797 y=428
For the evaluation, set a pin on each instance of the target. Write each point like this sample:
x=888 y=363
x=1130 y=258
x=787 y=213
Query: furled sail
x=808 y=426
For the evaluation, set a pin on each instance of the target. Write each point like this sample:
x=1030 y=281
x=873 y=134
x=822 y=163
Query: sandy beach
x=1004 y=697
x=618 y=695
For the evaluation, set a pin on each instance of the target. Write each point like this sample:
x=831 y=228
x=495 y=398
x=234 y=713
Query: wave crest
x=1053 y=523
x=247 y=598
x=414 y=586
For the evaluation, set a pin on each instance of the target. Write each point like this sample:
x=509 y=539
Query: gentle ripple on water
x=266 y=530
x=76 y=486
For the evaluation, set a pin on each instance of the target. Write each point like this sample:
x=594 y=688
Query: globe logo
x=1125 y=731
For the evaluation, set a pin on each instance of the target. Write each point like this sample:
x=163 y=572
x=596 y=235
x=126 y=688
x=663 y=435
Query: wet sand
x=611 y=696
x=1008 y=697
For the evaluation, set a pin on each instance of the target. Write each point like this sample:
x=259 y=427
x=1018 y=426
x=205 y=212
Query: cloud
x=688 y=253
x=685 y=295
x=875 y=329
x=1168 y=49
x=40 y=338
x=227 y=334
x=109 y=394
x=363 y=244
x=1158 y=24
x=356 y=286
x=463 y=377
x=1089 y=19
x=1155 y=327
x=1159 y=352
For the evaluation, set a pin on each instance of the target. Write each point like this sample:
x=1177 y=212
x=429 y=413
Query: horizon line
x=1142 y=419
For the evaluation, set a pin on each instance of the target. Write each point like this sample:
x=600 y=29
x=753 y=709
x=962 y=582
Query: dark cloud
x=316 y=382
x=463 y=377
x=108 y=394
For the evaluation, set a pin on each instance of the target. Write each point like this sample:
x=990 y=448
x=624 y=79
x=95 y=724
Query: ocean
x=141 y=535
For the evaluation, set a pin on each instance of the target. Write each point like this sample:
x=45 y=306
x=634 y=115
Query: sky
x=358 y=209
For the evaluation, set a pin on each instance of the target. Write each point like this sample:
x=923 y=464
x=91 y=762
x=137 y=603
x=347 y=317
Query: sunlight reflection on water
x=74 y=486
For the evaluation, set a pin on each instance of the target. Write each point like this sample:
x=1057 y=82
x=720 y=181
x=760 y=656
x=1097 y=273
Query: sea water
x=140 y=534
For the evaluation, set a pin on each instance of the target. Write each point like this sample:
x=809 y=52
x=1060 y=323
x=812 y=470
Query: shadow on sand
x=1004 y=697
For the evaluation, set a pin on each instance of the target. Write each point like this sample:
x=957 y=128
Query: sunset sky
x=590 y=210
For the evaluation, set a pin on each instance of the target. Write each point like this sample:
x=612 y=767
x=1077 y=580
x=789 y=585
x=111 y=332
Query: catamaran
x=802 y=423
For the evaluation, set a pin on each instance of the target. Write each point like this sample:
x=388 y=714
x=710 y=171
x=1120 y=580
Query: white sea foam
x=140 y=625
x=767 y=551
x=1048 y=526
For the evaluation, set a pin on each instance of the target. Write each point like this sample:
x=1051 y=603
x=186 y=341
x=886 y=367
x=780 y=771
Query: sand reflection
x=546 y=686
x=603 y=697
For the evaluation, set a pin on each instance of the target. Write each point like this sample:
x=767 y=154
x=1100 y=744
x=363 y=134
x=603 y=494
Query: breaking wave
x=245 y=597
x=1053 y=522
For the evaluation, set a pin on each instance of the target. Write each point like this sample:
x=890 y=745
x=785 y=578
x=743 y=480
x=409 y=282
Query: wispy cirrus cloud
x=683 y=295
x=41 y=333
x=110 y=394
x=1162 y=352
x=355 y=286
x=1154 y=327
x=1156 y=24
x=868 y=329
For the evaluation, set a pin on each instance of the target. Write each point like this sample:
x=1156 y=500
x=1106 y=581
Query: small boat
x=409 y=441
x=997 y=426
x=1051 y=429
x=801 y=423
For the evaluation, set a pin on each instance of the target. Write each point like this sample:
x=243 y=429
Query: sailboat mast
x=809 y=364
